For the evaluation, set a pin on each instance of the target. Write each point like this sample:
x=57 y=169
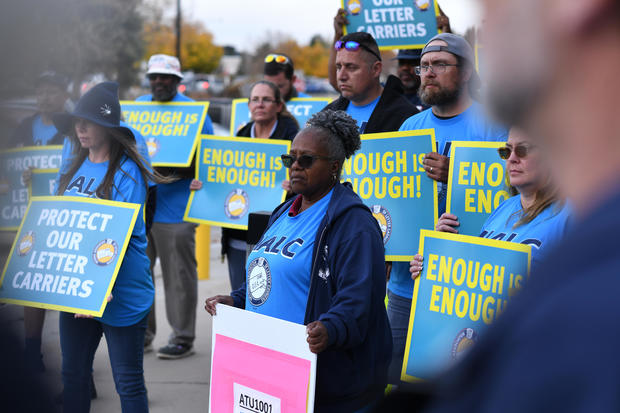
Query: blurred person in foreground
x=270 y=120
x=376 y=108
x=555 y=348
x=172 y=239
x=535 y=215
x=280 y=71
x=329 y=274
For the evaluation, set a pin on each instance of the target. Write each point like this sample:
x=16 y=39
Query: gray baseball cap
x=456 y=45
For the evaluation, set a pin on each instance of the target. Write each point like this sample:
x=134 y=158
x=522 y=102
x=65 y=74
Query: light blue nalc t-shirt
x=361 y=114
x=172 y=198
x=42 y=133
x=278 y=268
x=544 y=230
x=133 y=290
x=471 y=125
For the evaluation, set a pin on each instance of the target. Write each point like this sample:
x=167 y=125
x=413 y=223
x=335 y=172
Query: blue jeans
x=398 y=310
x=79 y=339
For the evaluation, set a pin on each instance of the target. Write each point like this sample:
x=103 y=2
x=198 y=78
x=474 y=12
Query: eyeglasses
x=278 y=58
x=353 y=46
x=520 y=150
x=437 y=69
x=304 y=161
x=264 y=101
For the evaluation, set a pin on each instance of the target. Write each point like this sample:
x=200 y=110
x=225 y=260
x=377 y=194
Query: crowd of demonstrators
x=270 y=120
x=535 y=215
x=334 y=280
x=374 y=107
x=171 y=239
x=108 y=156
x=280 y=71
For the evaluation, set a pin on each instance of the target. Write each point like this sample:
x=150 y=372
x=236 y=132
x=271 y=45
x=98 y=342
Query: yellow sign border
x=119 y=261
x=25 y=149
x=511 y=246
x=234 y=140
x=205 y=104
x=464 y=144
x=405 y=134
x=402 y=46
x=234 y=103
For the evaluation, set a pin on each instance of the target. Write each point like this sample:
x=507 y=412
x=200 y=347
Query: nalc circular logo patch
x=105 y=252
x=259 y=281
x=465 y=339
x=384 y=219
x=25 y=244
x=152 y=145
x=236 y=204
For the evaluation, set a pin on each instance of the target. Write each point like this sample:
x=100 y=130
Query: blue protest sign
x=67 y=253
x=239 y=175
x=301 y=108
x=170 y=129
x=395 y=24
x=388 y=174
x=42 y=182
x=13 y=190
x=476 y=183
x=465 y=284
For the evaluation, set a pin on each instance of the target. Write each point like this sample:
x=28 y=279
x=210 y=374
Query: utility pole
x=178 y=31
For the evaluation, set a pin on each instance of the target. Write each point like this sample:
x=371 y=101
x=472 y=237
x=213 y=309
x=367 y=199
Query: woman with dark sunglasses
x=322 y=257
x=535 y=215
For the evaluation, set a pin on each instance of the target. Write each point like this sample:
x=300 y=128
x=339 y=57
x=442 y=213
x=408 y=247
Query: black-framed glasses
x=520 y=150
x=278 y=58
x=352 y=46
x=437 y=69
x=305 y=161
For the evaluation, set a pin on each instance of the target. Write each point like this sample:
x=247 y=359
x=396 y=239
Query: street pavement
x=174 y=386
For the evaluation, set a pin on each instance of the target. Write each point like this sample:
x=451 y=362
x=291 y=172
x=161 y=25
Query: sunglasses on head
x=278 y=58
x=304 y=161
x=520 y=150
x=352 y=46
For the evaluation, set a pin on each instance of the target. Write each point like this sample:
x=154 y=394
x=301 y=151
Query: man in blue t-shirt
x=38 y=129
x=280 y=71
x=448 y=84
x=171 y=239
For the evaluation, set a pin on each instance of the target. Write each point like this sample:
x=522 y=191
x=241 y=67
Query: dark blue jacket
x=347 y=292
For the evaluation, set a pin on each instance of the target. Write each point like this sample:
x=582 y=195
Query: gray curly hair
x=340 y=132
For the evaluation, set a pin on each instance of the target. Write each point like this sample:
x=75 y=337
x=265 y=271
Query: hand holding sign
x=437 y=166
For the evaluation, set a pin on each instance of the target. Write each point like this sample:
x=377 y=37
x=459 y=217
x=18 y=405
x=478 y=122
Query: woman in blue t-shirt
x=107 y=165
x=536 y=216
x=320 y=262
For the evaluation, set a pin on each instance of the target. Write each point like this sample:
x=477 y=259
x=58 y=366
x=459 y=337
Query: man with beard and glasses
x=448 y=81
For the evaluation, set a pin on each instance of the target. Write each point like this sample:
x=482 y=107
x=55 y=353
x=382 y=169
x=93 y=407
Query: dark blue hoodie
x=347 y=291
